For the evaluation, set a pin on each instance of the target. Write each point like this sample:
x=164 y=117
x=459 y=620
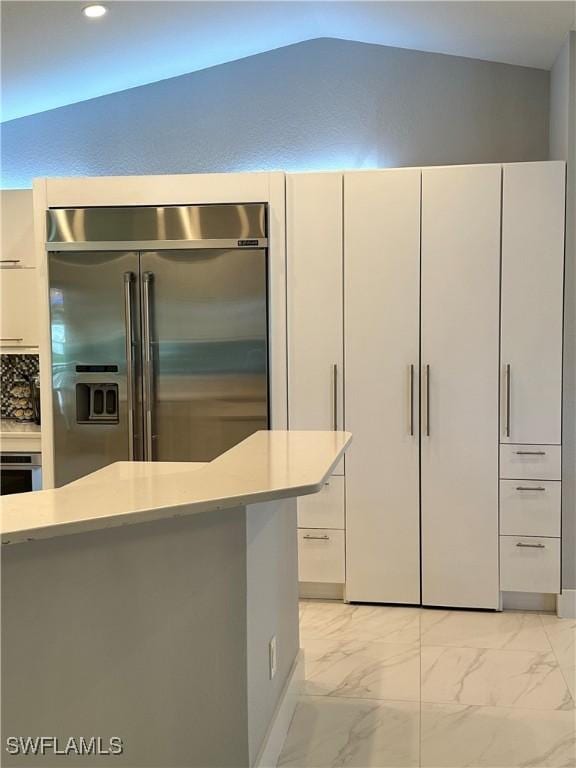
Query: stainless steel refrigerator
x=159 y=332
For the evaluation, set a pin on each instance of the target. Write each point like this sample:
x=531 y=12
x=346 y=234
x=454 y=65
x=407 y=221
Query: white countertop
x=265 y=466
x=20 y=436
x=12 y=428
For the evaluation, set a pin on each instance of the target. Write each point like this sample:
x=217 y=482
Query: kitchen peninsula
x=158 y=603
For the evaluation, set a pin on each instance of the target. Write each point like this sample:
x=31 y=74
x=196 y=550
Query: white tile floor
x=409 y=687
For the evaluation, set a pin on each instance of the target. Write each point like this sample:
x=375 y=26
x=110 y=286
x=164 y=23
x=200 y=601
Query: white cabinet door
x=314 y=265
x=382 y=279
x=459 y=337
x=321 y=555
x=324 y=509
x=532 y=292
x=530 y=508
x=17 y=228
x=19 y=308
x=533 y=462
x=530 y=564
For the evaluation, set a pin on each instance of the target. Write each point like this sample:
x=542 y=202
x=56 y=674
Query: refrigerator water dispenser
x=97 y=403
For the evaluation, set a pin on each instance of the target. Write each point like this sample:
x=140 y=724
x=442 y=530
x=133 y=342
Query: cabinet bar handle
x=531 y=453
x=10 y=261
x=508 y=396
x=130 y=379
x=427 y=399
x=317 y=538
x=528 y=488
x=147 y=278
x=20 y=339
x=335 y=397
x=531 y=546
x=411 y=400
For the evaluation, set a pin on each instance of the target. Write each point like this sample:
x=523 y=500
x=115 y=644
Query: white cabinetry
x=460 y=341
x=532 y=293
x=19 y=291
x=530 y=564
x=531 y=462
x=382 y=285
x=315 y=353
x=321 y=555
x=314 y=264
x=19 y=308
x=449 y=284
x=531 y=376
x=324 y=509
x=530 y=508
x=17 y=218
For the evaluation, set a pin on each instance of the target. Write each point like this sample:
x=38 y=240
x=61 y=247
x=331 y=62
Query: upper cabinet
x=18 y=308
x=532 y=301
x=18 y=278
x=315 y=316
x=17 y=228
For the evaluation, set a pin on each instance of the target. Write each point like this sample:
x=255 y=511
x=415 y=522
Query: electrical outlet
x=272 y=657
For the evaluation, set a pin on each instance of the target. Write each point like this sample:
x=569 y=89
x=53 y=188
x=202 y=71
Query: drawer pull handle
x=10 y=261
x=507 y=401
x=528 y=488
x=20 y=339
x=531 y=453
x=531 y=546
x=317 y=538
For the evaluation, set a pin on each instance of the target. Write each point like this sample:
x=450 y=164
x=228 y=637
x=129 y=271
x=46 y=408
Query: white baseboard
x=566 y=604
x=528 y=601
x=317 y=590
x=276 y=735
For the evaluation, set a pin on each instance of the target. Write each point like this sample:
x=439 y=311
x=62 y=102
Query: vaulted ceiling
x=52 y=55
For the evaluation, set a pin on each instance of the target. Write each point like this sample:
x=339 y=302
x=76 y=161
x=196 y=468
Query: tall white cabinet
x=435 y=297
x=460 y=342
x=315 y=356
x=381 y=307
x=531 y=376
x=532 y=293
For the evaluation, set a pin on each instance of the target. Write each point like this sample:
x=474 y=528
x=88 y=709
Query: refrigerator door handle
x=130 y=378
x=147 y=279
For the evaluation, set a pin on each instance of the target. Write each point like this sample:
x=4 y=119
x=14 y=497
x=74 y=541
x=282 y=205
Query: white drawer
x=530 y=507
x=529 y=564
x=321 y=555
x=534 y=462
x=324 y=509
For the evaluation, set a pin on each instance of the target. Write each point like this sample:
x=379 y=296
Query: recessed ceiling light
x=95 y=11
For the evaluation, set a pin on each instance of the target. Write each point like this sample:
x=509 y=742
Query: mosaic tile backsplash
x=16 y=373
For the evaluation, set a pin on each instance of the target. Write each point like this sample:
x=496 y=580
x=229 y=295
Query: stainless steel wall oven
x=20 y=472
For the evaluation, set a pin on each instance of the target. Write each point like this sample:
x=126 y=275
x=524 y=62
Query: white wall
x=137 y=632
x=318 y=104
x=563 y=147
x=272 y=609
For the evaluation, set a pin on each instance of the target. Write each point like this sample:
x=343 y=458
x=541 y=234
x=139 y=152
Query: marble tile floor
x=390 y=687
